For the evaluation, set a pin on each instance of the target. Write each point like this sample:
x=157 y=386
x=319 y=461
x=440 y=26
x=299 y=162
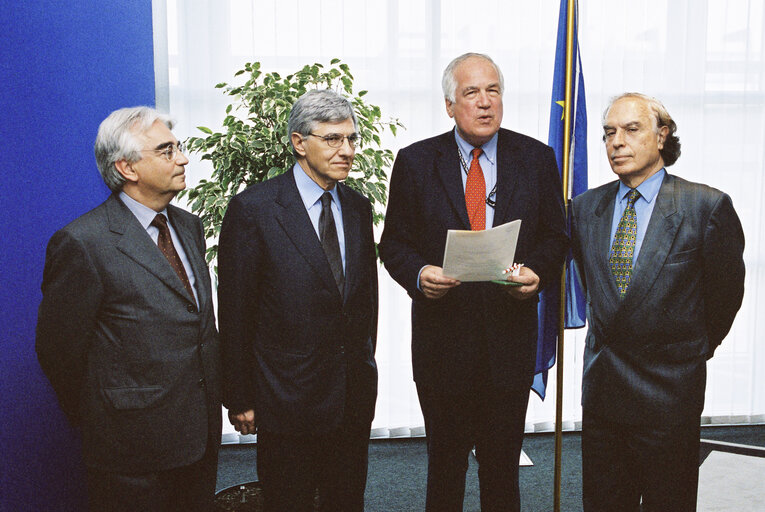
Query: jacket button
x=201 y=382
x=191 y=308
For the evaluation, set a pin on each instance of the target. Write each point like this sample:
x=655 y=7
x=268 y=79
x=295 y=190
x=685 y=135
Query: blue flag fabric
x=549 y=303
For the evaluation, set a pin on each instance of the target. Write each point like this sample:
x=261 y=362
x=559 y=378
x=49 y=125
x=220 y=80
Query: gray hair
x=671 y=150
x=318 y=106
x=116 y=140
x=449 y=81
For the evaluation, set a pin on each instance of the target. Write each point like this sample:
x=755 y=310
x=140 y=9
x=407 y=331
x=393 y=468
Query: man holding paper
x=473 y=344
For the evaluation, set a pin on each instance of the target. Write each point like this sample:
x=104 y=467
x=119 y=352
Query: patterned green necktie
x=624 y=244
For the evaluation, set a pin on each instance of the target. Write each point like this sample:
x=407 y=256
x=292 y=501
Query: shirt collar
x=310 y=191
x=649 y=189
x=489 y=148
x=143 y=213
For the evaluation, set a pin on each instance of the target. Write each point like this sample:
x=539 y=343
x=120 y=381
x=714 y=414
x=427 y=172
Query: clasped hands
x=435 y=285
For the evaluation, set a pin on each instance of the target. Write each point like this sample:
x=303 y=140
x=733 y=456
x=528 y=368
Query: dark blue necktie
x=329 y=242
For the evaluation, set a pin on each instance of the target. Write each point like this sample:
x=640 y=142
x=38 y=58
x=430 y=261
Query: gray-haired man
x=298 y=313
x=473 y=344
x=126 y=332
x=662 y=262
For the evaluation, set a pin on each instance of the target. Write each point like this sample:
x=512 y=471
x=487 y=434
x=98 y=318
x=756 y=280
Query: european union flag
x=549 y=304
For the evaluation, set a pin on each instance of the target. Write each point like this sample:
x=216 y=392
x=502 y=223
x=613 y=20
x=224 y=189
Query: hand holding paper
x=481 y=255
x=433 y=283
x=525 y=284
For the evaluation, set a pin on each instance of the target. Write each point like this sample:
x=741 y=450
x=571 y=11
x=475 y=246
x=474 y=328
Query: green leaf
x=204 y=129
x=347 y=84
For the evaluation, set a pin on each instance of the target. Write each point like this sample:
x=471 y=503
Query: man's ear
x=449 y=107
x=663 y=132
x=297 y=143
x=126 y=170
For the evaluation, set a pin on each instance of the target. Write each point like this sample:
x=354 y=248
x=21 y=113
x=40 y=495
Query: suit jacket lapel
x=600 y=233
x=296 y=223
x=662 y=228
x=136 y=243
x=448 y=169
x=508 y=177
x=196 y=259
x=351 y=226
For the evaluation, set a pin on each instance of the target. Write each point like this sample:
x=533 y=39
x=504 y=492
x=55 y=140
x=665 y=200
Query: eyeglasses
x=335 y=140
x=171 y=151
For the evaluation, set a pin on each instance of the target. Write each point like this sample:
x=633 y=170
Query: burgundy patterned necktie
x=475 y=193
x=165 y=243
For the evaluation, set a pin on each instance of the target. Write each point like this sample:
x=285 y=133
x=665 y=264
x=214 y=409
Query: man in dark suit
x=126 y=331
x=473 y=345
x=661 y=261
x=298 y=316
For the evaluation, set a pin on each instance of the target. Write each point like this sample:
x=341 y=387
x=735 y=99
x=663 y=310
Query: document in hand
x=481 y=255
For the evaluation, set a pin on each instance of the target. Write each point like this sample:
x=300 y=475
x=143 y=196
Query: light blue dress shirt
x=310 y=193
x=644 y=205
x=488 y=161
x=145 y=215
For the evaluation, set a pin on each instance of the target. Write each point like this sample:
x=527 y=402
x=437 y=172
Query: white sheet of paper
x=480 y=255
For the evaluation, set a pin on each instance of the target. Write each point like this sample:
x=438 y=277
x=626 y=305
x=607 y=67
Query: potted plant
x=254 y=144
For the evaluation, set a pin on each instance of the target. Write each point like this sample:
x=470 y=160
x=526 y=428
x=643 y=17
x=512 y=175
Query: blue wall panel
x=63 y=67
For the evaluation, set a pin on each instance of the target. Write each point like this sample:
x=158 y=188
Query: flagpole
x=568 y=108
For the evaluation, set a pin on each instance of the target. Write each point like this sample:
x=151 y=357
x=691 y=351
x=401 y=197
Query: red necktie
x=475 y=193
x=165 y=243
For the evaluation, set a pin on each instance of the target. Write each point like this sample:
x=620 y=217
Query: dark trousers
x=185 y=489
x=488 y=418
x=292 y=467
x=623 y=463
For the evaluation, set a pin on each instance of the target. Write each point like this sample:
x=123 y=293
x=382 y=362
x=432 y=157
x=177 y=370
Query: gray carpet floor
x=398 y=468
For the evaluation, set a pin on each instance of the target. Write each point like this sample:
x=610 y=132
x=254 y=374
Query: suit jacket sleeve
x=546 y=254
x=576 y=250
x=397 y=243
x=723 y=275
x=237 y=282
x=375 y=291
x=72 y=292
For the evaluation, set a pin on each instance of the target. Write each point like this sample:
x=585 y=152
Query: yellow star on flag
x=562 y=104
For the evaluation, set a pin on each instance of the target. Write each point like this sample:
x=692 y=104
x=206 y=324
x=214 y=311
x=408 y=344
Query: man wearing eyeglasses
x=126 y=332
x=297 y=300
x=473 y=344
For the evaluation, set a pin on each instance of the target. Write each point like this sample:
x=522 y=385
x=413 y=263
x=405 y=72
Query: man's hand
x=433 y=283
x=244 y=422
x=530 y=281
